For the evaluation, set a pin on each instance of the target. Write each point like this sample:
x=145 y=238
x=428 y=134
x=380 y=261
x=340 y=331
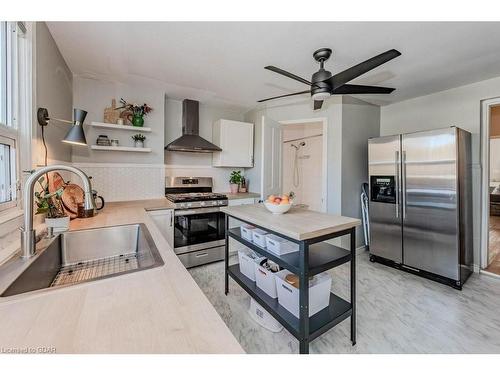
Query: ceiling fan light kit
x=323 y=84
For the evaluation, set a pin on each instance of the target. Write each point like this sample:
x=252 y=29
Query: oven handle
x=194 y=211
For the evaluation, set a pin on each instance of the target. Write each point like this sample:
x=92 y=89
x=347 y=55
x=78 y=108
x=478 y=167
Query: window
x=13 y=60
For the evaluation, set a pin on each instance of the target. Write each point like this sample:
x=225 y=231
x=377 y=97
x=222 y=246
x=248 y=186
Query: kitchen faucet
x=27 y=232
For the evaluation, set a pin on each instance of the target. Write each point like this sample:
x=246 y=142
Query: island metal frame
x=314 y=256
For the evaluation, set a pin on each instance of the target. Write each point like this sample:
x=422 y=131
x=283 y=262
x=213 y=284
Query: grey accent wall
x=360 y=121
x=54 y=91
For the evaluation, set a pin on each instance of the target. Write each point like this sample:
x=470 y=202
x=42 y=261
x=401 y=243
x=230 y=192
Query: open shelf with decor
x=105 y=125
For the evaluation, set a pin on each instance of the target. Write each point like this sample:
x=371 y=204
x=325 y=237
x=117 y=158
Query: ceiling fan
x=323 y=84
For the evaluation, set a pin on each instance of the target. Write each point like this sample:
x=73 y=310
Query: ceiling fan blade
x=361 y=89
x=347 y=75
x=284 y=96
x=318 y=104
x=287 y=74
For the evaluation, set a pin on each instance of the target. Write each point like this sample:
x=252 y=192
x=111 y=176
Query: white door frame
x=324 y=171
x=485 y=177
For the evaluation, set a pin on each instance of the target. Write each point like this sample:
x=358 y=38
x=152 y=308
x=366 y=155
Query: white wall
x=300 y=110
x=93 y=95
x=460 y=107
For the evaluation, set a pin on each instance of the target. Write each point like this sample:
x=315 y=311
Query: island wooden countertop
x=297 y=223
x=160 y=310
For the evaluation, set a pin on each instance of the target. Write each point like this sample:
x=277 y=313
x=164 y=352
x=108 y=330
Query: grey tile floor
x=397 y=313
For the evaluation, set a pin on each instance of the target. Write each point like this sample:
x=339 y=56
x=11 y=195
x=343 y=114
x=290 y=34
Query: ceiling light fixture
x=75 y=135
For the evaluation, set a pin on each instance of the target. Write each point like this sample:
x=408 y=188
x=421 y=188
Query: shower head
x=301 y=144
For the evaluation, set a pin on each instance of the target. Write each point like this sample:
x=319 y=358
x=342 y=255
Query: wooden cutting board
x=55 y=182
x=72 y=195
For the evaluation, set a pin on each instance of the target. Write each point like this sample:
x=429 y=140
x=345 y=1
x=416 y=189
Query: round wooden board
x=72 y=195
x=55 y=182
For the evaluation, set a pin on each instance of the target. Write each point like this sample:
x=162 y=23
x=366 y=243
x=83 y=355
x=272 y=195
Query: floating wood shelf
x=120 y=148
x=120 y=127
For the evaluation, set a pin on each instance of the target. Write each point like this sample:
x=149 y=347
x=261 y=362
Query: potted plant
x=137 y=112
x=234 y=181
x=138 y=140
x=50 y=204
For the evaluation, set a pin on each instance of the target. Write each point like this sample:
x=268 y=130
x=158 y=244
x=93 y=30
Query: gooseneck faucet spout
x=27 y=232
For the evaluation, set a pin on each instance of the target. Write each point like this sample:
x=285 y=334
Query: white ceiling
x=223 y=62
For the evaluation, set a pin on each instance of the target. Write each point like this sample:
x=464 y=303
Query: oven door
x=198 y=228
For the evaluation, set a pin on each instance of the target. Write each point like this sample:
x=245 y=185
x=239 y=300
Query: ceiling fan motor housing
x=318 y=84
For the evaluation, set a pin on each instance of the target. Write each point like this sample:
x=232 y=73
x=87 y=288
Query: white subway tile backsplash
x=122 y=182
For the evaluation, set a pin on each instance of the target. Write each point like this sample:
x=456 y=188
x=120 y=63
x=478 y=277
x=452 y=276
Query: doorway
x=493 y=260
x=490 y=257
x=302 y=163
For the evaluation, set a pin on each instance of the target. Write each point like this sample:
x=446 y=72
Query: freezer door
x=430 y=216
x=384 y=169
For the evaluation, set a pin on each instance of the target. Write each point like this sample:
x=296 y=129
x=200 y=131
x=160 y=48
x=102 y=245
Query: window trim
x=12 y=142
x=19 y=118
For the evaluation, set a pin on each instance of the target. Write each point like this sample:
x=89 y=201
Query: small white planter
x=139 y=144
x=59 y=224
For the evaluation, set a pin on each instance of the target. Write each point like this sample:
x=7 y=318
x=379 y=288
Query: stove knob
x=189 y=204
x=214 y=203
x=183 y=205
x=202 y=203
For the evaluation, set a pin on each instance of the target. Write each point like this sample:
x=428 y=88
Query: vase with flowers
x=136 y=112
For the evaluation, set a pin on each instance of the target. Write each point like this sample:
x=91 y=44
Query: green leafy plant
x=49 y=203
x=138 y=137
x=235 y=177
x=137 y=110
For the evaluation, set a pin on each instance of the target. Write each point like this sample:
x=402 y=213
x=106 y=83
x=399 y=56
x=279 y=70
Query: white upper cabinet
x=236 y=140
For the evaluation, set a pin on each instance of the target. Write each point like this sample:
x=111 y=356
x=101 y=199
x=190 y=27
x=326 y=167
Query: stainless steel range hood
x=190 y=141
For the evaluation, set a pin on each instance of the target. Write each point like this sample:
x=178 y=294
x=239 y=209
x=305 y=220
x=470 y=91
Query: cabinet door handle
x=171 y=218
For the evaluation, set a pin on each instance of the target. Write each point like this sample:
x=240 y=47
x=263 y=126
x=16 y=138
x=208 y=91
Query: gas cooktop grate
x=93 y=269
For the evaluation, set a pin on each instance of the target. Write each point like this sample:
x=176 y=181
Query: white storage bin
x=247 y=260
x=280 y=246
x=259 y=237
x=246 y=231
x=264 y=279
x=319 y=293
x=262 y=317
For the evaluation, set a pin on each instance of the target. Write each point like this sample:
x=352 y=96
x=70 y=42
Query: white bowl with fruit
x=278 y=204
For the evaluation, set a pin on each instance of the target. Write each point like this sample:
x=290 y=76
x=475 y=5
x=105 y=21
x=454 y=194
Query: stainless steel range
x=199 y=226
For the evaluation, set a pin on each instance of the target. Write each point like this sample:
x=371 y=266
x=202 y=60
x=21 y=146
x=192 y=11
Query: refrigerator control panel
x=383 y=189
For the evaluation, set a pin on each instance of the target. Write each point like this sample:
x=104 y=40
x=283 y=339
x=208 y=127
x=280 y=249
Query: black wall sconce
x=75 y=135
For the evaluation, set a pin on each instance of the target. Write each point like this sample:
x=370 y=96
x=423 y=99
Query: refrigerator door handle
x=403 y=183
x=396 y=165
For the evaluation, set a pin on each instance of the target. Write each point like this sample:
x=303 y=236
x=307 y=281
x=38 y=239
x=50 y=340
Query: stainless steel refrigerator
x=420 y=204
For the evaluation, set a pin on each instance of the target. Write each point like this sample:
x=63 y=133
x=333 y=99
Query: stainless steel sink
x=86 y=255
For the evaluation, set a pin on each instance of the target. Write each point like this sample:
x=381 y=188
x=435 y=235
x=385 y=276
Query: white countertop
x=161 y=310
x=298 y=223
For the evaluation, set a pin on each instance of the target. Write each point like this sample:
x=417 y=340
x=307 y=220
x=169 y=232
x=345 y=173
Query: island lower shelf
x=337 y=311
